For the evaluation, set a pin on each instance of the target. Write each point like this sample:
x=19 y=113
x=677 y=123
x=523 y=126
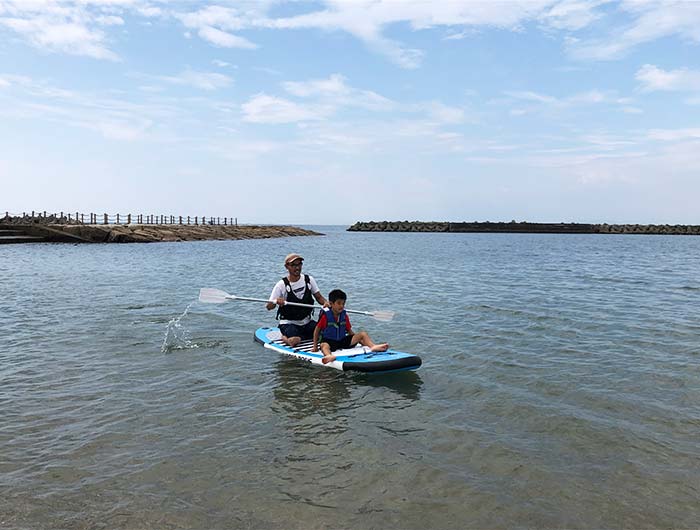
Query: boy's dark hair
x=336 y=294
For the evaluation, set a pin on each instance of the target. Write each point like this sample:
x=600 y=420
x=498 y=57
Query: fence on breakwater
x=114 y=219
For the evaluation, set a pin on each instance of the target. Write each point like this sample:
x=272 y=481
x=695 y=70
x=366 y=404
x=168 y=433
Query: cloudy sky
x=331 y=112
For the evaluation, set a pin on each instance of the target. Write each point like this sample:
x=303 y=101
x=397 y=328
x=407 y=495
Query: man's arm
x=321 y=300
x=275 y=298
x=317 y=332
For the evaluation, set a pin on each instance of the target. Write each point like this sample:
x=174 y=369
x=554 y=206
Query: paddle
x=217 y=296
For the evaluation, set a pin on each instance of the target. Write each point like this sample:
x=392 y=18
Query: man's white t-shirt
x=298 y=287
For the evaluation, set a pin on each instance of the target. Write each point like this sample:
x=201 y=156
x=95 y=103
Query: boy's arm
x=317 y=331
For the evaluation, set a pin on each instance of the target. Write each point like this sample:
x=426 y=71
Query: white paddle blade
x=213 y=296
x=383 y=316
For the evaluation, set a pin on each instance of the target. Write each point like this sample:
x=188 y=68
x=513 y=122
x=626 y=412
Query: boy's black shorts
x=338 y=344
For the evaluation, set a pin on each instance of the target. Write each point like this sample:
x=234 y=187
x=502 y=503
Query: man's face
x=295 y=266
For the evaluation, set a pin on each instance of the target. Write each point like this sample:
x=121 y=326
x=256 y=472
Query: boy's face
x=337 y=306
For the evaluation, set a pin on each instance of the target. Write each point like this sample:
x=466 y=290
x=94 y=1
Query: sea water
x=560 y=386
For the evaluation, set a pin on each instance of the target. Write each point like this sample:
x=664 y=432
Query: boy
x=334 y=328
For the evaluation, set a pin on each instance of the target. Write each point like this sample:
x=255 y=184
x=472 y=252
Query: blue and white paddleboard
x=358 y=359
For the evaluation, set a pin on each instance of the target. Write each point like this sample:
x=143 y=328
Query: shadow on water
x=406 y=384
x=302 y=389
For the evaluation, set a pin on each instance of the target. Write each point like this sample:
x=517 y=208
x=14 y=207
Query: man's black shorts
x=292 y=330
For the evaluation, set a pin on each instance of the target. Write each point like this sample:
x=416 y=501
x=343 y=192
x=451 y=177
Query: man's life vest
x=291 y=312
x=335 y=330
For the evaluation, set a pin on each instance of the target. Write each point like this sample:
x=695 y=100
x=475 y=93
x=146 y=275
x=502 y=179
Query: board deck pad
x=359 y=358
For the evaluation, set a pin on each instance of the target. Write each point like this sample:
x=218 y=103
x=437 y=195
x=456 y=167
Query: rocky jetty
x=523 y=227
x=146 y=233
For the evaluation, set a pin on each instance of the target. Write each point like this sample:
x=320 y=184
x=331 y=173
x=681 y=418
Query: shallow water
x=565 y=391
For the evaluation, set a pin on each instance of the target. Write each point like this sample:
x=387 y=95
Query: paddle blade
x=383 y=316
x=213 y=296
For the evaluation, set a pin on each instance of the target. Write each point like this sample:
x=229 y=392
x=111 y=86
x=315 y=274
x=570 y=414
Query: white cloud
x=531 y=96
x=674 y=135
x=444 y=113
x=268 y=109
x=333 y=86
x=571 y=14
x=225 y=40
x=334 y=90
x=367 y=20
x=591 y=97
x=60 y=35
x=652 y=20
x=113 y=118
x=201 y=80
x=120 y=130
x=654 y=78
x=109 y=20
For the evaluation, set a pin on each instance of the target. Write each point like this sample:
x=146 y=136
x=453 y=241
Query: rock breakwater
x=523 y=227
x=148 y=233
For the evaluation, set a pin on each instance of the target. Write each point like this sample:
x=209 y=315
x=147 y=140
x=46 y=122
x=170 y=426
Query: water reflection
x=303 y=390
x=406 y=384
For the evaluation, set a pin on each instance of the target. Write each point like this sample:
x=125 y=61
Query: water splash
x=177 y=337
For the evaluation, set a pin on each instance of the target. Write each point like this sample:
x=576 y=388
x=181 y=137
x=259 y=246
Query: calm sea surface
x=560 y=386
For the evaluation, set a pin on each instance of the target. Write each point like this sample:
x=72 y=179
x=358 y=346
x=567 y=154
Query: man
x=295 y=323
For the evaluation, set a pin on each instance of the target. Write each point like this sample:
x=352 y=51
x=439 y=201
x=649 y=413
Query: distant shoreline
x=524 y=227
x=143 y=233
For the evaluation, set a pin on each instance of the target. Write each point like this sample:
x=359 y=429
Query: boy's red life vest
x=335 y=330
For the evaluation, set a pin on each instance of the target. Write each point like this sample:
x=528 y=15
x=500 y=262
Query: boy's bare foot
x=380 y=347
x=328 y=358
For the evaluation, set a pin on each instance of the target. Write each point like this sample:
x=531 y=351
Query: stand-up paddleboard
x=358 y=359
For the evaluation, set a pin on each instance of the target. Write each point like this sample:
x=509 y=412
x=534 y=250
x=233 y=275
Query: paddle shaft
x=232 y=297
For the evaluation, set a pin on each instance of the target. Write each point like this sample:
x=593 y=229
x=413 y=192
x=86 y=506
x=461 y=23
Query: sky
x=332 y=112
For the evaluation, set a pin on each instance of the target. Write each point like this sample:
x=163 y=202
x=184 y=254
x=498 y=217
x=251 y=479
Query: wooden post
x=180 y=219
x=61 y=215
x=82 y=218
x=117 y=218
x=106 y=219
x=188 y=219
x=195 y=219
x=128 y=219
x=236 y=221
x=77 y=214
x=68 y=217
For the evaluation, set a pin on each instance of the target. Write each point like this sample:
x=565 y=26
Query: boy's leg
x=327 y=354
x=363 y=338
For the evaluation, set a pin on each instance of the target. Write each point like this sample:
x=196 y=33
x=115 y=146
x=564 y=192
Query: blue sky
x=339 y=111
